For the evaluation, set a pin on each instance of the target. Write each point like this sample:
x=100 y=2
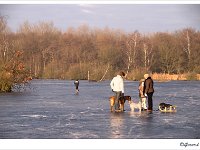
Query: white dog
x=134 y=106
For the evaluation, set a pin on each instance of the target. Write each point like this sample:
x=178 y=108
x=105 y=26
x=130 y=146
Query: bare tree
x=148 y=53
x=187 y=44
x=131 y=50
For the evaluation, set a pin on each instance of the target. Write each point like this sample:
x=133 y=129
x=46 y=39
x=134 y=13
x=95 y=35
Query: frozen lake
x=50 y=109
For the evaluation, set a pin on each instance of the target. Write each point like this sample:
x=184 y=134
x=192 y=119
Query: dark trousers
x=150 y=101
x=117 y=96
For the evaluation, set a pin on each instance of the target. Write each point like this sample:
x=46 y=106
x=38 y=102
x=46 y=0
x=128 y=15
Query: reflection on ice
x=34 y=116
x=116 y=124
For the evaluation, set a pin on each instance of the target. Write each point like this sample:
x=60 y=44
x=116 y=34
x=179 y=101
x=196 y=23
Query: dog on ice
x=163 y=107
x=122 y=101
x=134 y=106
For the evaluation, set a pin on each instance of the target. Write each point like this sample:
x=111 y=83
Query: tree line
x=47 y=52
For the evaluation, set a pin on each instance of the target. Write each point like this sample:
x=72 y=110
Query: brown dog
x=122 y=101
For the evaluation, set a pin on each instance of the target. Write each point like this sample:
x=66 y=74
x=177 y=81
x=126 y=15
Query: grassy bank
x=169 y=77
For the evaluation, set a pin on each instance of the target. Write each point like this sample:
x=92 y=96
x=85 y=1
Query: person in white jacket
x=117 y=86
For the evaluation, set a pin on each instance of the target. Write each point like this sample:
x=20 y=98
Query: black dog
x=162 y=106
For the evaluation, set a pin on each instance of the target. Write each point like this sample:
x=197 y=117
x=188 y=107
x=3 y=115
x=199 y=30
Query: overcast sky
x=127 y=17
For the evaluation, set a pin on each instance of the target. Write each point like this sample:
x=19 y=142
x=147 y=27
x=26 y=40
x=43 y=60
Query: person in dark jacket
x=76 y=83
x=148 y=91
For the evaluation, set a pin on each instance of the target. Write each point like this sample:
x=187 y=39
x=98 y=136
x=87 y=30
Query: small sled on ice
x=163 y=107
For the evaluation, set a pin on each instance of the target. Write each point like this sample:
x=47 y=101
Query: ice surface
x=50 y=109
